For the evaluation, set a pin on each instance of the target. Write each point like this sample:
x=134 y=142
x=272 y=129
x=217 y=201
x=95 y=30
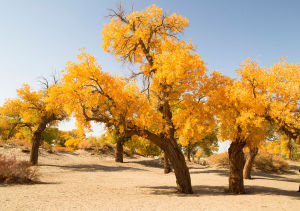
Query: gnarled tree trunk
x=176 y=157
x=167 y=167
x=119 y=151
x=236 y=163
x=36 y=139
x=181 y=170
x=249 y=162
x=188 y=153
x=291 y=146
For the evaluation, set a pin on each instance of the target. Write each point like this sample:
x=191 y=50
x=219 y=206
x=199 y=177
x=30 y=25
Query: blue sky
x=38 y=36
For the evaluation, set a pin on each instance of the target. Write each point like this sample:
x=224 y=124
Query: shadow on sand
x=30 y=183
x=221 y=191
x=94 y=168
x=149 y=163
x=255 y=174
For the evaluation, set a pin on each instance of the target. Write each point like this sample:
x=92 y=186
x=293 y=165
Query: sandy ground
x=80 y=181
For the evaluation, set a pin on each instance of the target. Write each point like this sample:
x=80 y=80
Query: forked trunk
x=36 y=139
x=249 y=162
x=236 y=162
x=119 y=151
x=167 y=167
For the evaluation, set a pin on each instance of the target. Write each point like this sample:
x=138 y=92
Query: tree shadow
x=202 y=190
x=29 y=183
x=157 y=163
x=94 y=168
x=220 y=172
x=268 y=176
x=255 y=175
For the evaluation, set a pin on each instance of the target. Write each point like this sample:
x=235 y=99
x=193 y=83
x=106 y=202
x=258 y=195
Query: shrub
x=270 y=162
x=59 y=149
x=73 y=143
x=19 y=142
x=13 y=171
x=264 y=161
x=220 y=160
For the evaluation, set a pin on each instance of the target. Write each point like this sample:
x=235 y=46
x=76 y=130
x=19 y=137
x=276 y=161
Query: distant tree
x=36 y=110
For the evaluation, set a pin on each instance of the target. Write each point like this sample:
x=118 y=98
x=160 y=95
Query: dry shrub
x=270 y=162
x=19 y=142
x=220 y=160
x=85 y=145
x=60 y=149
x=13 y=171
x=264 y=161
x=106 y=148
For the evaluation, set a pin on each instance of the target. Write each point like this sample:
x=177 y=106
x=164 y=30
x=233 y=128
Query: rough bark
x=291 y=146
x=181 y=170
x=176 y=157
x=249 y=162
x=11 y=131
x=188 y=154
x=119 y=151
x=36 y=139
x=167 y=167
x=236 y=163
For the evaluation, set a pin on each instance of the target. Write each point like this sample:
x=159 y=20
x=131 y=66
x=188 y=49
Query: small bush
x=13 y=171
x=264 y=161
x=18 y=142
x=59 y=149
x=85 y=144
x=270 y=162
x=220 y=160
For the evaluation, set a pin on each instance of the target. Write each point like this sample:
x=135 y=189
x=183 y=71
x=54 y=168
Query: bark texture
x=188 y=153
x=236 y=164
x=292 y=147
x=176 y=158
x=36 y=139
x=181 y=170
x=167 y=167
x=249 y=162
x=119 y=151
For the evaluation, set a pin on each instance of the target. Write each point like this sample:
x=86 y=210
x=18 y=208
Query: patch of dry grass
x=13 y=171
x=264 y=161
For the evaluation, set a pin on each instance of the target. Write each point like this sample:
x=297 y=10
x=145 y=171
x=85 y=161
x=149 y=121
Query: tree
x=168 y=65
x=277 y=88
x=36 y=110
x=240 y=121
x=170 y=70
x=261 y=96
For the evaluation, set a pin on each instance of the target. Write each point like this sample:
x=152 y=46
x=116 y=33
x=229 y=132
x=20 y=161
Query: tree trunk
x=249 y=162
x=189 y=152
x=181 y=170
x=11 y=131
x=119 y=151
x=36 y=139
x=236 y=162
x=167 y=167
x=291 y=147
x=171 y=148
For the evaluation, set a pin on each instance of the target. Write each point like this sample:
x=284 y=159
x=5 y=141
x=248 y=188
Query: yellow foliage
x=73 y=143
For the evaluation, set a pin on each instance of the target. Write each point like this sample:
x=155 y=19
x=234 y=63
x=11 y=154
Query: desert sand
x=81 y=181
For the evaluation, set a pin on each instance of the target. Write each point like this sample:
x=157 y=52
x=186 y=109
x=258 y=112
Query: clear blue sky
x=38 y=36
